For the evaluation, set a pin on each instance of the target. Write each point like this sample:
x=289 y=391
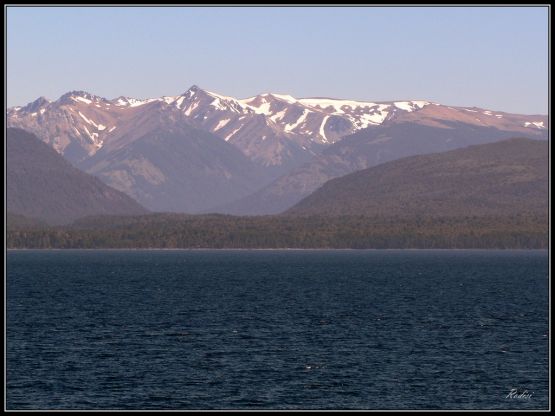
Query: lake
x=277 y=329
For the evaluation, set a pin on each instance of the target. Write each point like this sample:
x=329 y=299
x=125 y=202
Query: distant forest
x=282 y=231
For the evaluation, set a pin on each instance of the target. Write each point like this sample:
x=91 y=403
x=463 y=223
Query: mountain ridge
x=42 y=185
x=305 y=122
x=508 y=177
x=291 y=146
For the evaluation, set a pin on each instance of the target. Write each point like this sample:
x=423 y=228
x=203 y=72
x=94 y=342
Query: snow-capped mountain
x=76 y=125
x=271 y=129
x=280 y=130
x=277 y=134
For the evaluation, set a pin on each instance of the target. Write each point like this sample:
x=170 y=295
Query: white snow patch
x=538 y=124
x=42 y=110
x=410 y=105
x=221 y=124
x=278 y=116
x=101 y=127
x=231 y=134
x=33 y=114
x=93 y=137
x=322 y=132
x=224 y=102
x=288 y=98
x=336 y=105
x=86 y=119
x=247 y=101
x=112 y=129
x=137 y=103
x=88 y=132
x=169 y=100
x=179 y=101
x=264 y=108
x=420 y=104
x=365 y=120
x=472 y=111
x=217 y=104
x=82 y=99
x=191 y=108
x=291 y=126
x=133 y=102
x=265 y=105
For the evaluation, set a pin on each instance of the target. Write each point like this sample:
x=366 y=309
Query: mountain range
x=205 y=152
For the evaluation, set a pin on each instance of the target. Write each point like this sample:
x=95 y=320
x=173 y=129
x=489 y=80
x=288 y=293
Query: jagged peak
x=123 y=101
x=218 y=101
x=37 y=104
x=82 y=96
x=193 y=89
x=42 y=100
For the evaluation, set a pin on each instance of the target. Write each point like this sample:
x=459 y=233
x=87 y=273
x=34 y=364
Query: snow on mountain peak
x=170 y=99
x=80 y=96
x=267 y=127
x=223 y=102
x=335 y=104
x=132 y=102
x=410 y=105
x=538 y=124
x=285 y=97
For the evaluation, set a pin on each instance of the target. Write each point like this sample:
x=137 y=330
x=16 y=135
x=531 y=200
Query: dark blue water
x=277 y=329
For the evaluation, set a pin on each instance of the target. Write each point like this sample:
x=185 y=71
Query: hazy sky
x=494 y=57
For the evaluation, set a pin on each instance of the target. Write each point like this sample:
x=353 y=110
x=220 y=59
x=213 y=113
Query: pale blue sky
x=494 y=57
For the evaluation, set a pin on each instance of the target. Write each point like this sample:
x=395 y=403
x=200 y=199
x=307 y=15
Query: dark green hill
x=41 y=184
x=509 y=177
